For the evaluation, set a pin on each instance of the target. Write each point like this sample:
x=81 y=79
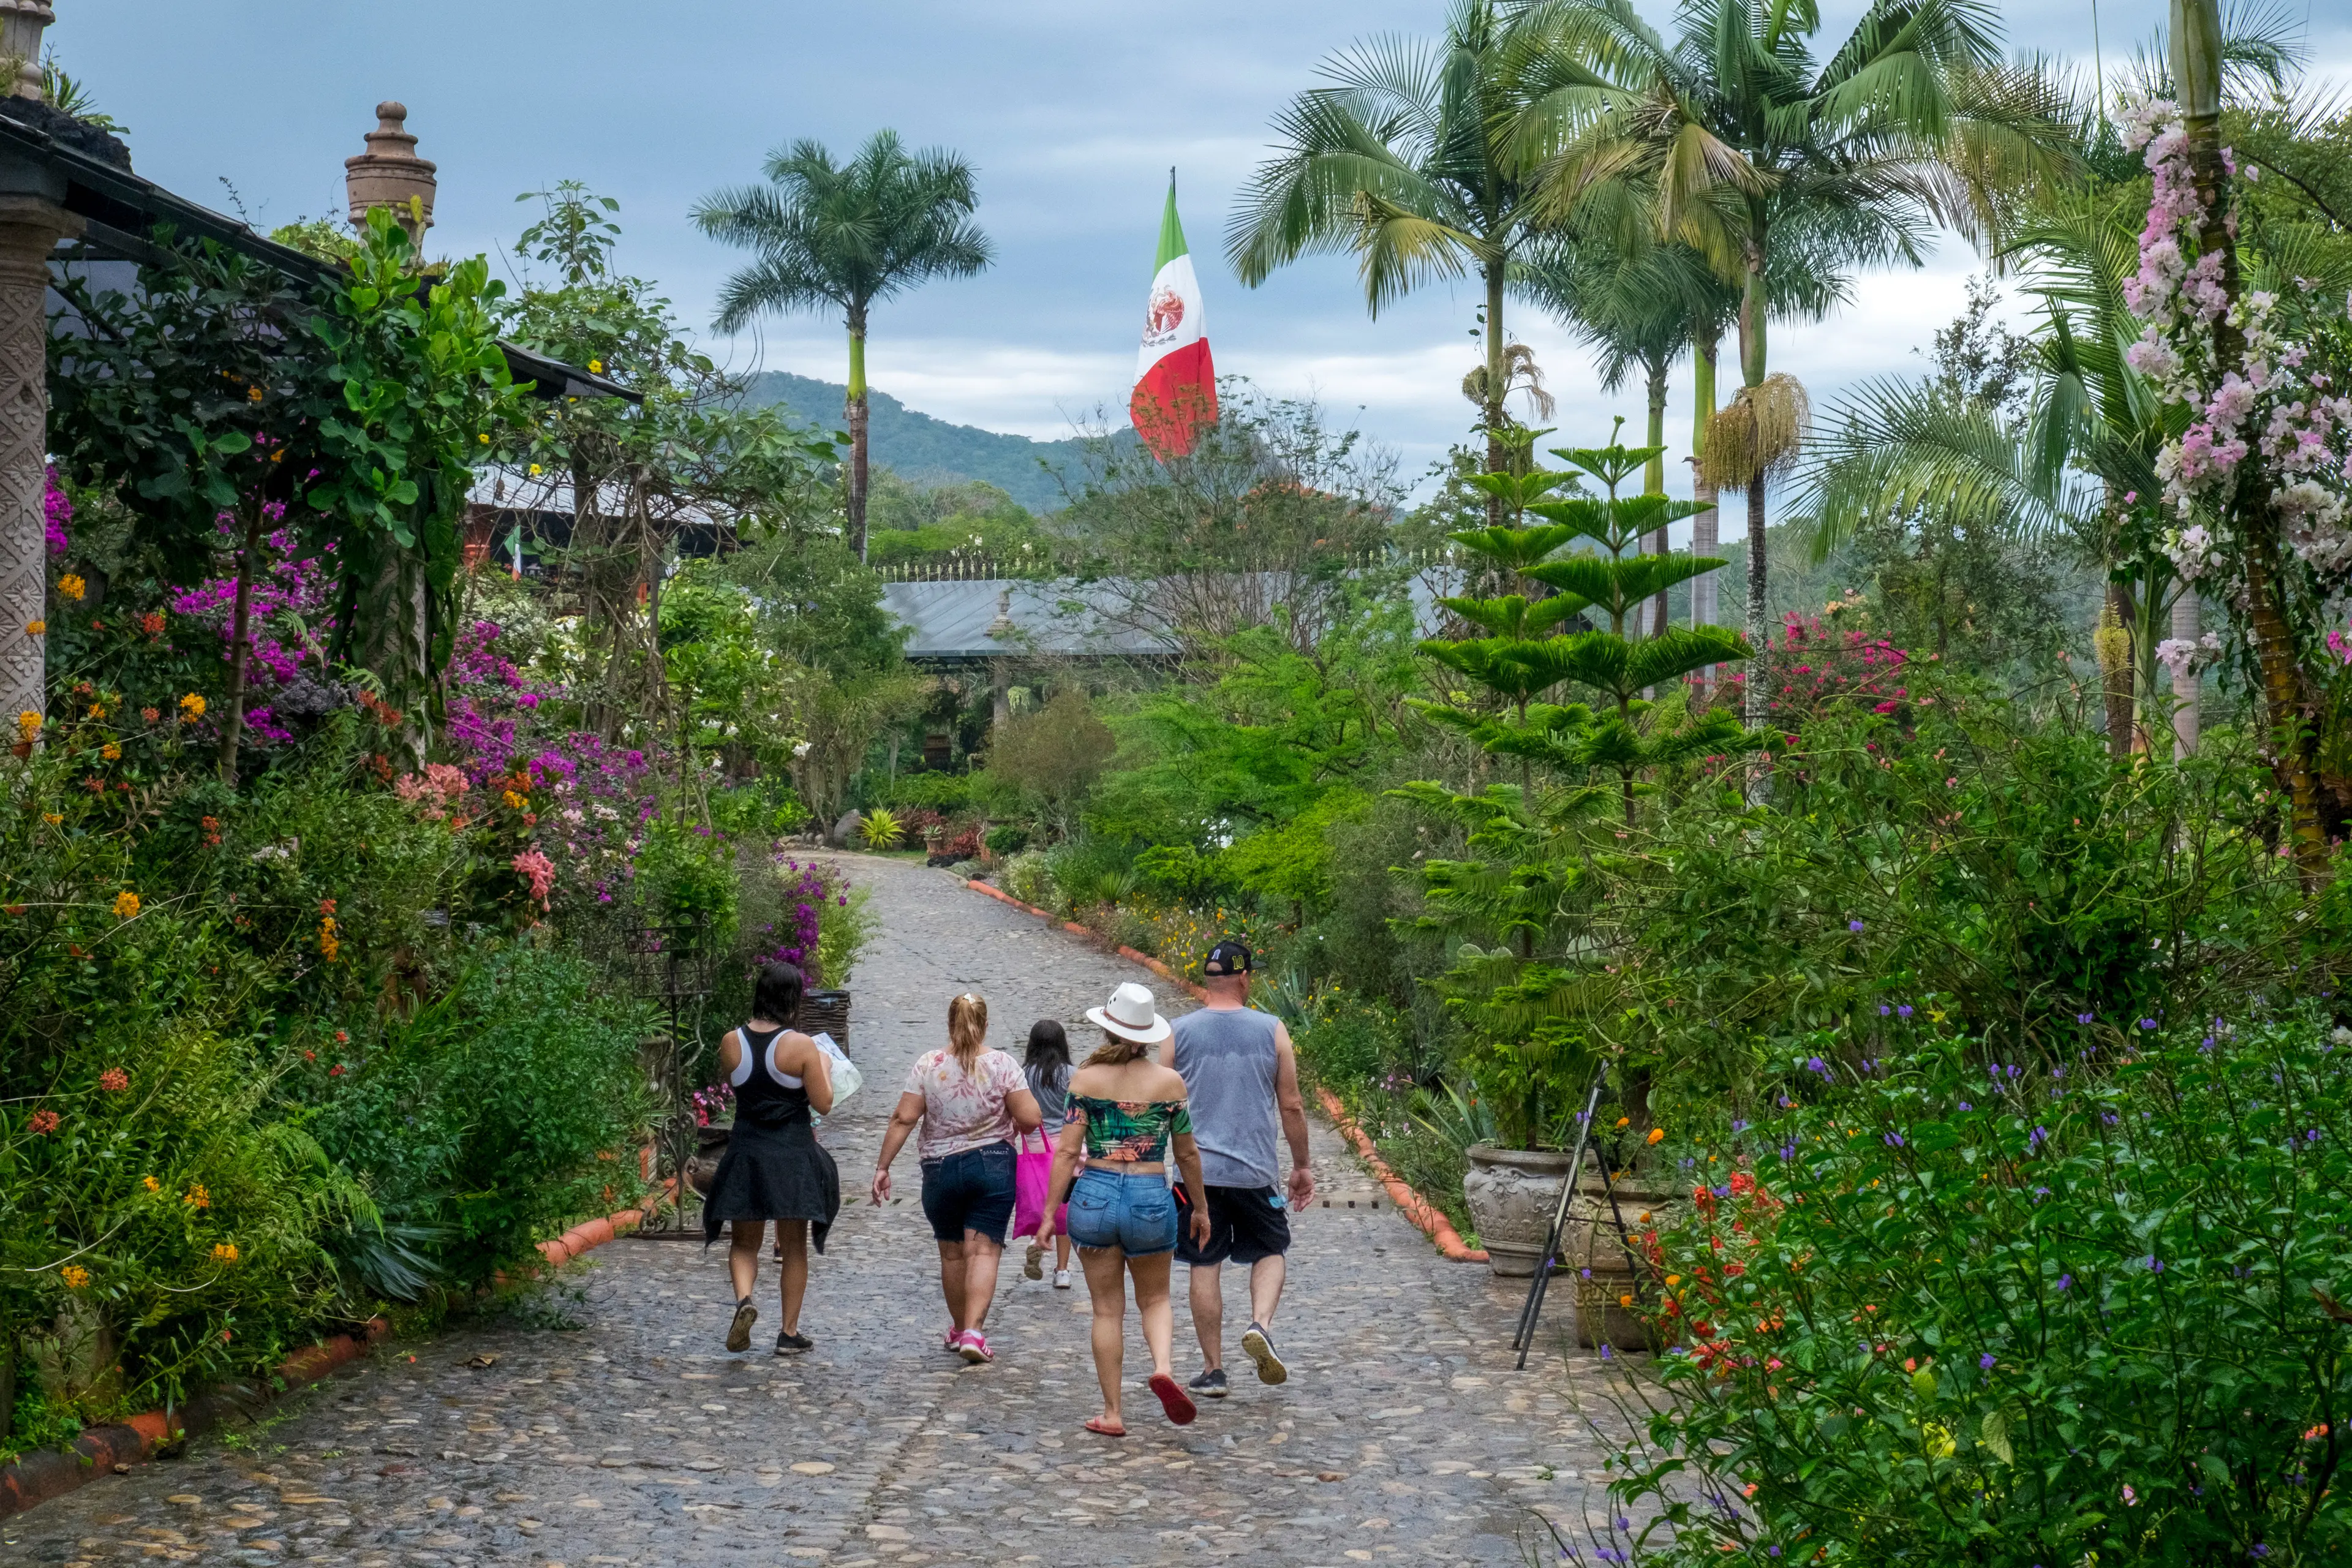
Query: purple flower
x=1894 y=1139
x=2155 y=1264
x=1605 y=1353
x=1738 y=1126
x=2084 y=1017
x=1903 y=1011
x=1883 y=1009
x=1854 y=925
x=1788 y=1151
x=2147 y=1023
x=2065 y=1281
x=1984 y=1362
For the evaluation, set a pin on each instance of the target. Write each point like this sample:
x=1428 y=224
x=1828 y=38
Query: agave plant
x=880 y=829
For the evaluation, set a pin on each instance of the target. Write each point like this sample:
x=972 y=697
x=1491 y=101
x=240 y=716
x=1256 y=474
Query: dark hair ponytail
x=776 y=993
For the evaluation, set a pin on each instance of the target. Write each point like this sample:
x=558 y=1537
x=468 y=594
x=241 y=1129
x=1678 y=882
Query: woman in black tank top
x=774 y=1169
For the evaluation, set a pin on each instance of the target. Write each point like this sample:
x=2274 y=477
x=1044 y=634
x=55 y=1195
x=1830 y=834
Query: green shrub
x=1080 y=868
x=1029 y=878
x=1006 y=838
x=944 y=792
x=1949 y=1304
x=509 y=1107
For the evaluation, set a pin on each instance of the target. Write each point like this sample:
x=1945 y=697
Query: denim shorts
x=972 y=1190
x=1132 y=1211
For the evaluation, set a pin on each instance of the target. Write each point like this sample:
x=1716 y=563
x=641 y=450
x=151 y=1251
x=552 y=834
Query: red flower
x=310 y=1055
x=335 y=1071
x=326 y=906
x=114 y=1080
x=45 y=1122
x=342 y=1038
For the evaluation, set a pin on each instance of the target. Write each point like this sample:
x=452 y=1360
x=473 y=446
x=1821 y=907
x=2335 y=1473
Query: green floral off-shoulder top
x=1131 y=1132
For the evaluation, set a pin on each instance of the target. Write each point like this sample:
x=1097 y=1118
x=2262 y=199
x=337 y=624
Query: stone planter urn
x=1511 y=1193
x=1593 y=1254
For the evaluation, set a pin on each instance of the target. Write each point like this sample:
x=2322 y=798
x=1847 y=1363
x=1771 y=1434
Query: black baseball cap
x=1226 y=958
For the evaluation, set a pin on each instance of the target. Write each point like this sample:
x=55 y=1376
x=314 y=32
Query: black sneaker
x=789 y=1344
x=739 y=1333
x=1211 y=1384
x=1258 y=1346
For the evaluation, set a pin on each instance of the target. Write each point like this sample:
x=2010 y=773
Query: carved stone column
x=391 y=174
x=30 y=228
x=22 y=23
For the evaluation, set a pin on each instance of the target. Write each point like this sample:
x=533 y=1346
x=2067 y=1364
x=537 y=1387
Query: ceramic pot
x=1511 y=1193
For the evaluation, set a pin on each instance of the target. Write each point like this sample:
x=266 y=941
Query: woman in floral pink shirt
x=969 y=1102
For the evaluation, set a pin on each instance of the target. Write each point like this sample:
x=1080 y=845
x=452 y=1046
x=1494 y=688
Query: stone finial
x=1002 y=627
x=389 y=174
x=22 y=23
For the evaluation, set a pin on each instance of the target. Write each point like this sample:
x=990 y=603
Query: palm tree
x=1738 y=133
x=845 y=235
x=1401 y=161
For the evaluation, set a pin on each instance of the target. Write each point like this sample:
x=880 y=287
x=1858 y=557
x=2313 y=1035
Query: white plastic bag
x=846 y=1076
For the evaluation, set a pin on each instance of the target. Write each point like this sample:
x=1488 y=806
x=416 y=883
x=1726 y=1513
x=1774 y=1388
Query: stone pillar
x=391 y=174
x=2188 y=686
x=30 y=228
x=22 y=23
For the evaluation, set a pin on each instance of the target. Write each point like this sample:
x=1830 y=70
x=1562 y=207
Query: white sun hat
x=1131 y=1014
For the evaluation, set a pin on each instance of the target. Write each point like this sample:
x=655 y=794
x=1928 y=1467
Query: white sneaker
x=1061 y=1278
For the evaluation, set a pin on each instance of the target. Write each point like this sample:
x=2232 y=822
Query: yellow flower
x=1657 y=1134
x=74 y=1275
x=253 y=394
x=98 y=709
x=126 y=906
x=53 y=818
x=152 y=1185
x=191 y=706
x=224 y=1252
x=71 y=587
x=596 y=367
x=534 y=467
x=484 y=437
x=110 y=752
x=1673 y=1280
x=28 y=725
x=197 y=1197
x=37 y=628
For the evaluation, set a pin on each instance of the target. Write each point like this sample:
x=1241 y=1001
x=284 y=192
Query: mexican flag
x=1175 y=382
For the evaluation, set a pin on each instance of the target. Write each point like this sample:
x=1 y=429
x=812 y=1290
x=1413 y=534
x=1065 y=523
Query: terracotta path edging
x=36 y=1479
x=1416 y=1208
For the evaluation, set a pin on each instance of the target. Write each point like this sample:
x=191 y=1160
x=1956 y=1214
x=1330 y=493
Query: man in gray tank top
x=1244 y=1081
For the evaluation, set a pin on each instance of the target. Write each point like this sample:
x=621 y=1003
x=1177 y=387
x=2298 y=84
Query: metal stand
x=1524 y=1340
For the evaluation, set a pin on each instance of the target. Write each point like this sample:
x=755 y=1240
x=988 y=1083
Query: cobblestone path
x=1403 y=1437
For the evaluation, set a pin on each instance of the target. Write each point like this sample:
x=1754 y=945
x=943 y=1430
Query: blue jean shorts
x=971 y=1191
x=1132 y=1211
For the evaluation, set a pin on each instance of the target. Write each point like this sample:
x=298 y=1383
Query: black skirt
x=773 y=1172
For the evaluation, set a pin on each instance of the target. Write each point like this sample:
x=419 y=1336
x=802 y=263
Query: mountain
x=927 y=451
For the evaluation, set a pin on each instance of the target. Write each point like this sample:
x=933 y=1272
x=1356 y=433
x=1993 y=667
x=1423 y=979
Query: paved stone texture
x=1403 y=1435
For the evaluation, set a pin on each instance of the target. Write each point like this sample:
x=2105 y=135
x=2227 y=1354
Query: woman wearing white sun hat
x=1128 y=1114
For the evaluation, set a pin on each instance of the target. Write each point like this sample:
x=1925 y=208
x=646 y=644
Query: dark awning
x=119 y=210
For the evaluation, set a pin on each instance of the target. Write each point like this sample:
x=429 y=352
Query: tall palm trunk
x=1654 y=481
x=1706 y=528
x=2197 y=79
x=857 y=410
x=1752 y=346
x=1494 y=411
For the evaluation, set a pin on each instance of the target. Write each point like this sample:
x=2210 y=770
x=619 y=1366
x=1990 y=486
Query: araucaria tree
x=845 y=235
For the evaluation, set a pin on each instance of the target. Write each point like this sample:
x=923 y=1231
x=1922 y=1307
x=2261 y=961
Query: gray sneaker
x=1211 y=1384
x=1258 y=1346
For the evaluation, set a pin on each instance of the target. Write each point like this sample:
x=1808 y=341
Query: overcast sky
x=1072 y=113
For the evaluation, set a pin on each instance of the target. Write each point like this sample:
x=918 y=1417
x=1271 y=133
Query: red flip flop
x=1173 y=1399
x=1095 y=1425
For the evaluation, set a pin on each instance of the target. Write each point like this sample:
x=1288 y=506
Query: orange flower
x=71 y=587
x=74 y=1275
x=110 y=752
x=150 y=714
x=191 y=706
x=152 y=1185
x=114 y=1080
x=37 y=628
x=197 y=1198
x=1657 y=1134
x=126 y=906
x=224 y=1252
